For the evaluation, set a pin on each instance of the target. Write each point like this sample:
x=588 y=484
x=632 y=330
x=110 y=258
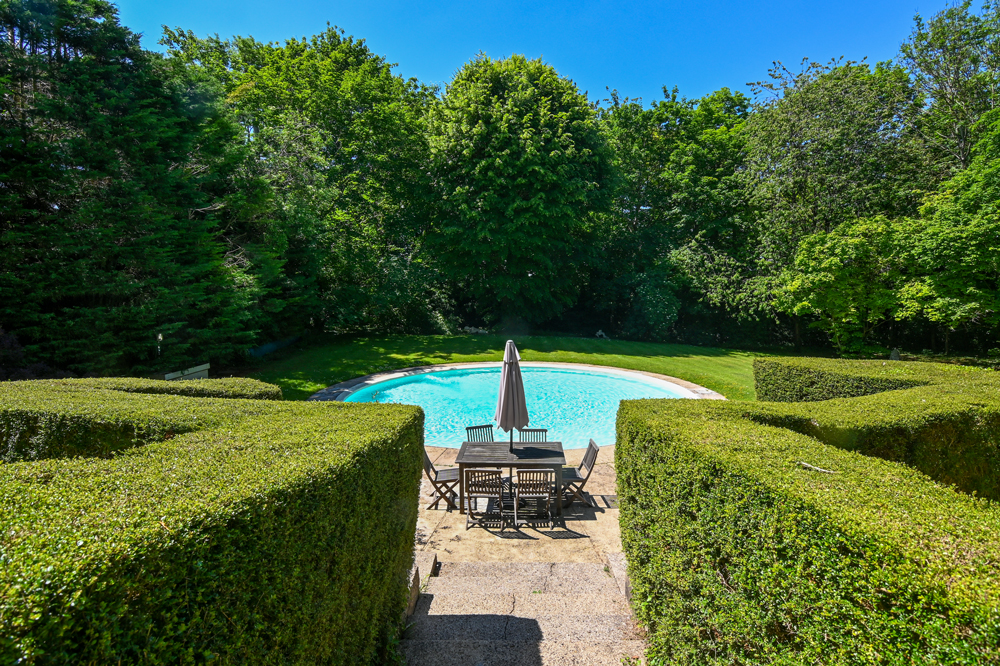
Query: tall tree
x=848 y=279
x=519 y=163
x=954 y=59
x=827 y=145
x=676 y=199
x=954 y=246
x=109 y=256
x=339 y=137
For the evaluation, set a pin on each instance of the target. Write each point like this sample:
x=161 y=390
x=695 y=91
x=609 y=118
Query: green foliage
x=108 y=236
x=339 y=139
x=834 y=143
x=848 y=279
x=676 y=200
x=946 y=425
x=813 y=379
x=954 y=246
x=518 y=162
x=225 y=387
x=743 y=549
x=92 y=417
x=260 y=532
x=955 y=62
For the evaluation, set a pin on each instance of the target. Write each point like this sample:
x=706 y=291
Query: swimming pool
x=576 y=405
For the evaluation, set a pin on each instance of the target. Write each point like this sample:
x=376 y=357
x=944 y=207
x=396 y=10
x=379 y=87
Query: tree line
x=158 y=210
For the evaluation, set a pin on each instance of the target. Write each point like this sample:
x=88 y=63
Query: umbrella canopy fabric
x=512 y=412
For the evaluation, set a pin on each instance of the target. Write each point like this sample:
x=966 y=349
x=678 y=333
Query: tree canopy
x=519 y=163
x=163 y=210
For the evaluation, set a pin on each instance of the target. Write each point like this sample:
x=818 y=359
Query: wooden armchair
x=575 y=478
x=533 y=435
x=485 y=484
x=444 y=481
x=534 y=484
x=483 y=433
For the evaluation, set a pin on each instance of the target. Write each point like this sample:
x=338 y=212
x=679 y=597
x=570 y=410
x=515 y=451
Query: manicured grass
x=301 y=372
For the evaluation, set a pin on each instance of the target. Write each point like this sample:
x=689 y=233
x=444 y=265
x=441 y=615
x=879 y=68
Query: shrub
x=740 y=554
x=813 y=379
x=947 y=425
x=64 y=418
x=226 y=387
x=259 y=532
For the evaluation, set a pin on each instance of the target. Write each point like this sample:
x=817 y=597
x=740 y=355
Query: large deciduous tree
x=676 y=199
x=829 y=144
x=339 y=138
x=519 y=164
x=954 y=60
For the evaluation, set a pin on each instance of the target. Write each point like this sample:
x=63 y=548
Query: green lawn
x=302 y=372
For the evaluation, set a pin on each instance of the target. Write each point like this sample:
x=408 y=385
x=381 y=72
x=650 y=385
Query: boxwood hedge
x=946 y=424
x=224 y=387
x=231 y=531
x=751 y=542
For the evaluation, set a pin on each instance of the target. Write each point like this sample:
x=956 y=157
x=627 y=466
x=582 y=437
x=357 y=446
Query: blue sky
x=636 y=47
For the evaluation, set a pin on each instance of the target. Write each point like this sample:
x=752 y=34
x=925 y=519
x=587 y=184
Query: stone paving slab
x=594 y=605
x=517 y=569
x=458 y=603
x=485 y=584
x=520 y=653
x=516 y=627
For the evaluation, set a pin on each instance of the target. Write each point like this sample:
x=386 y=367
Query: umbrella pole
x=511 y=449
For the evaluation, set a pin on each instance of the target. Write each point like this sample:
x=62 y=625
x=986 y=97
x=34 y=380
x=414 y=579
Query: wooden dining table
x=526 y=455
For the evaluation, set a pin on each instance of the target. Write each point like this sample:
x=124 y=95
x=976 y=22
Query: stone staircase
x=522 y=614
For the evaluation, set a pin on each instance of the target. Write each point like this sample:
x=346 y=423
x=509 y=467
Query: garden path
x=554 y=596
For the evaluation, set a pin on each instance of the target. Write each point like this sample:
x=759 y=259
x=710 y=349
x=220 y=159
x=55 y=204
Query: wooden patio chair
x=534 y=484
x=483 y=484
x=533 y=435
x=444 y=481
x=483 y=433
x=575 y=478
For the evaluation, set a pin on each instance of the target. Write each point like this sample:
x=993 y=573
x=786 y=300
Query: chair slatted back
x=533 y=435
x=535 y=482
x=429 y=467
x=589 y=458
x=483 y=433
x=483 y=483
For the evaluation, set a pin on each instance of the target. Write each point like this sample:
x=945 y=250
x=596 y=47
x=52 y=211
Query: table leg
x=559 y=490
x=461 y=488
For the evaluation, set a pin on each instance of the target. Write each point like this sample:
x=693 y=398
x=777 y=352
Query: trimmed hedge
x=813 y=379
x=51 y=419
x=267 y=533
x=945 y=424
x=739 y=554
x=225 y=387
x=742 y=550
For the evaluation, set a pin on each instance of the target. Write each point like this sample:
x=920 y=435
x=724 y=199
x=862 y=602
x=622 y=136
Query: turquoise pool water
x=575 y=405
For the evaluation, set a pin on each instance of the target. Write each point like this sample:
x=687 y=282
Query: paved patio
x=588 y=534
x=552 y=596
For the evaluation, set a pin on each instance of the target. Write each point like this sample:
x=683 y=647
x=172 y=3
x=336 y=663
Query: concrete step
x=578 y=570
x=555 y=652
x=603 y=585
x=593 y=628
x=522 y=604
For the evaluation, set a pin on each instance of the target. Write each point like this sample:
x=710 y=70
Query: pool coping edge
x=338 y=392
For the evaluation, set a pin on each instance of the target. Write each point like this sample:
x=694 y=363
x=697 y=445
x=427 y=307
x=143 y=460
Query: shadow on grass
x=326 y=360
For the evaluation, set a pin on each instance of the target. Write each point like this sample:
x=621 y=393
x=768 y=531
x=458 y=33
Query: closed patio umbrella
x=512 y=412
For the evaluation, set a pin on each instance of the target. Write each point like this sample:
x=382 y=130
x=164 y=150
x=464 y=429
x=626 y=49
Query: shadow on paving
x=487 y=640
